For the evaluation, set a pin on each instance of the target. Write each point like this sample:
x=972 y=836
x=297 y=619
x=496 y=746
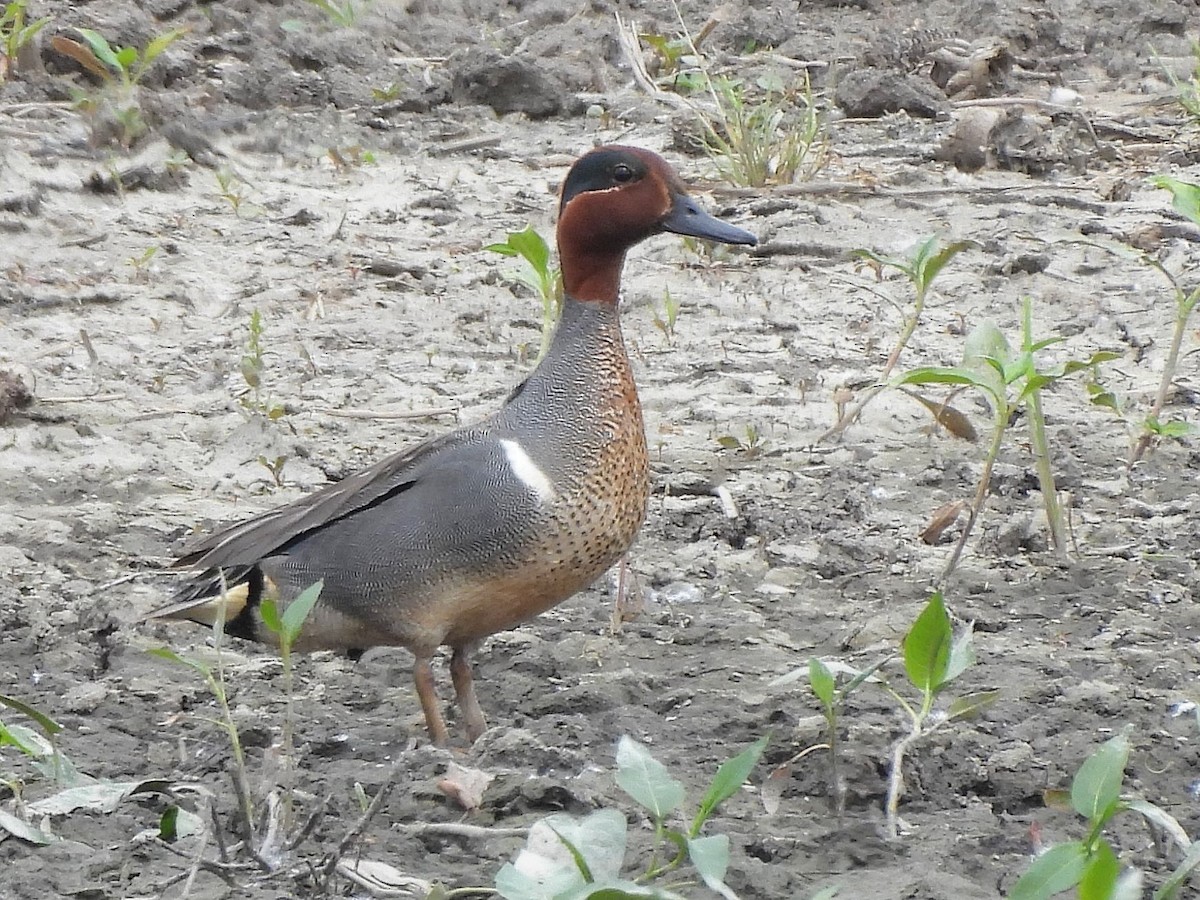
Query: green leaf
x=168 y=653
x=969 y=705
x=44 y=722
x=929 y=264
x=939 y=375
x=576 y=856
x=1185 y=196
x=19 y=828
x=101 y=48
x=269 y=610
x=167 y=823
x=1056 y=870
x=1170 y=889
x=155 y=48
x=28 y=741
x=298 y=610
x=646 y=780
x=1100 y=876
x=126 y=57
x=710 y=857
x=962 y=654
x=1096 y=787
x=927 y=647
x=821 y=680
x=729 y=779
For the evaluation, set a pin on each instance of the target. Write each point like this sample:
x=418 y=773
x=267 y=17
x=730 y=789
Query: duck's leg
x=427 y=692
x=464 y=687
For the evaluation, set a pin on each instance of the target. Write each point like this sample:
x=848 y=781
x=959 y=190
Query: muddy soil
x=342 y=182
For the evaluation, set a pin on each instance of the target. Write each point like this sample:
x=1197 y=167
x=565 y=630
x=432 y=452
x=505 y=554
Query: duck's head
x=613 y=198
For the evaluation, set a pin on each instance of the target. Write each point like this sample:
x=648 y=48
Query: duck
x=477 y=530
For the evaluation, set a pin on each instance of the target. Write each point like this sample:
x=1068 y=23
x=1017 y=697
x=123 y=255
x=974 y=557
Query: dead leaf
x=465 y=786
x=943 y=517
x=82 y=55
x=954 y=421
x=771 y=791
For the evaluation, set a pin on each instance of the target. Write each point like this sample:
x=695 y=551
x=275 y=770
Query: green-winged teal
x=480 y=529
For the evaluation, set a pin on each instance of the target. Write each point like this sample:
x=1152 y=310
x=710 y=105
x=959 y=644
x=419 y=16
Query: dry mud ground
x=385 y=322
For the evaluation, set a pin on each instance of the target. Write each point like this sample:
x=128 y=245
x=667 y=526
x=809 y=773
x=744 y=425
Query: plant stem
x=1184 y=306
x=1045 y=472
x=896 y=778
x=981 y=492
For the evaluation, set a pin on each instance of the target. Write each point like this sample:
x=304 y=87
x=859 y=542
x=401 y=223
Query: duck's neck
x=586 y=358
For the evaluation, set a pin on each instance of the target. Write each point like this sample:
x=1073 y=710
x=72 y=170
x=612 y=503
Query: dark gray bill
x=686 y=217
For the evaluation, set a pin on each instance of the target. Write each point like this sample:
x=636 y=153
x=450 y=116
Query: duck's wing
x=241 y=545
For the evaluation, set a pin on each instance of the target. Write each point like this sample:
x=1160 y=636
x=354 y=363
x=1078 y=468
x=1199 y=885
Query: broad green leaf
x=1164 y=823
x=1170 y=889
x=729 y=779
x=168 y=653
x=969 y=705
x=985 y=341
x=269 y=610
x=100 y=46
x=710 y=857
x=126 y=57
x=1185 y=196
x=532 y=246
x=1096 y=787
x=559 y=850
x=939 y=375
x=927 y=647
x=646 y=780
x=930 y=265
x=821 y=680
x=1099 y=881
x=27 y=832
x=44 y=722
x=167 y=823
x=502 y=249
x=155 y=48
x=1056 y=870
x=298 y=610
x=25 y=739
x=962 y=654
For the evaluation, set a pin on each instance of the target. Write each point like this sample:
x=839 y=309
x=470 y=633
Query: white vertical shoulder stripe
x=527 y=471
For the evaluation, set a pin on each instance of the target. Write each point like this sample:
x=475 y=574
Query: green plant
x=750 y=445
x=120 y=70
x=536 y=273
x=343 y=14
x=140 y=263
x=568 y=857
x=823 y=682
x=921 y=269
x=16 y=35
x=1187 y=91
x=231 y=189
x=665 y=322
x=287 y=627
x=253 y=366
x=1185 y=198
x=41 y=746
x=1010 y=380
x=933 y=657
x=757 y=143
x=1090 y=866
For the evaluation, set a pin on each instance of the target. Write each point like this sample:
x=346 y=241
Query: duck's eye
x=622 y=174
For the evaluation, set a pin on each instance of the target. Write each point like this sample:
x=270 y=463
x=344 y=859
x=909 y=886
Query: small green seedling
x=822 y=679
x=141 y=263
x=750 y=445
x=1185 y=197
x=665 y=321
x=1089 y=867
x=231 y=189
x=566 y=856
x=288 y=627
x=1187 y=90
x=342 y=14
x=536 y=273
x=274 y=466
x=16 y=35
x=933 y=658
x=40 y=746
x=253 y=367
x=1009 y=380
x=120 y=70
x=921 y=269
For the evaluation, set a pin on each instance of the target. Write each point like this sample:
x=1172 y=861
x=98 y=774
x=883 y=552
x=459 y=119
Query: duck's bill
x=687 y=218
